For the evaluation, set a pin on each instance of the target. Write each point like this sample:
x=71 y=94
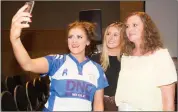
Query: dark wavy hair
x=151 y=40
x=90 y=31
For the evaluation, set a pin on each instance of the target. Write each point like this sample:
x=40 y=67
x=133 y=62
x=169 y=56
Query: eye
x=116 y=34
x=79 y=37
x=126 y=26
x=107 y=33
x=135 y=25
x=69 y=37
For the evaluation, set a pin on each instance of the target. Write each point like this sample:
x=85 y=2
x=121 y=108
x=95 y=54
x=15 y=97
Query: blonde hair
x=104 y=55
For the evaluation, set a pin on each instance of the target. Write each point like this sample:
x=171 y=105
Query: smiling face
x=134 y=29
x=112 y=37
x=77 y=41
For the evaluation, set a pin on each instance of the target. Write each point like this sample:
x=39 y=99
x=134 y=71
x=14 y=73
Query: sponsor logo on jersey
x=77 y=88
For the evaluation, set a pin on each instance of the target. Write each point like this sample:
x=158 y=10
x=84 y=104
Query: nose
x=112 y=37
x=74 y=39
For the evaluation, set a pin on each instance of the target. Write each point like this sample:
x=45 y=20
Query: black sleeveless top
x=112 y=73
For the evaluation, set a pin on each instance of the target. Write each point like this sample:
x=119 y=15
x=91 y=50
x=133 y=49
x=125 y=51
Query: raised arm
x=39 y=65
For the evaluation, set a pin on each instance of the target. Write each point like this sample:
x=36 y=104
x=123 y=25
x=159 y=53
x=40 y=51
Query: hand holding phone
x=29 y=9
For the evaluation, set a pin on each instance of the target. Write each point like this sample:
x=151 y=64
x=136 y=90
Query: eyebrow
x=73 y=35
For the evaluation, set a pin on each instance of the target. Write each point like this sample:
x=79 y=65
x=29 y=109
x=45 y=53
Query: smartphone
x=29 y=9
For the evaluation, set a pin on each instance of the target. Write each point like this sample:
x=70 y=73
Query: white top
x=140 y=78
x=73 y=84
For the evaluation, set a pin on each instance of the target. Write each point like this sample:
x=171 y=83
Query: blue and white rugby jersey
x=73 y=84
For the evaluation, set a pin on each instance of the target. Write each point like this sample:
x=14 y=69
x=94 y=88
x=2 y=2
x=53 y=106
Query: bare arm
x=39 y=65
x=168 y=95
x=98 y=104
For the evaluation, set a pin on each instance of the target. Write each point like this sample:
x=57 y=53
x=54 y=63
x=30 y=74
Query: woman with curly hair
x=148 y=75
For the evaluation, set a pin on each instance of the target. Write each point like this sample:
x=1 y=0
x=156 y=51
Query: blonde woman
x=109 y=58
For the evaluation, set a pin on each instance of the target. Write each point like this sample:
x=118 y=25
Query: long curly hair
x=151 y=40
x=90 y=31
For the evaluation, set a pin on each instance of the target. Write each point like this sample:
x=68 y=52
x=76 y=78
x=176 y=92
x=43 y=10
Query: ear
x=88 y=43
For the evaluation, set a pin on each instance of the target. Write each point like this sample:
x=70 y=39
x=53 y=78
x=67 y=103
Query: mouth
x=131 y=34
x=111 y=42
x=75 y=46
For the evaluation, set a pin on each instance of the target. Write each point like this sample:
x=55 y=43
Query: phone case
x=30 y=6
x=29 y=9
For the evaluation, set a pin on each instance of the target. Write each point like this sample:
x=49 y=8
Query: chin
x=131 y=39
x=112 y=46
